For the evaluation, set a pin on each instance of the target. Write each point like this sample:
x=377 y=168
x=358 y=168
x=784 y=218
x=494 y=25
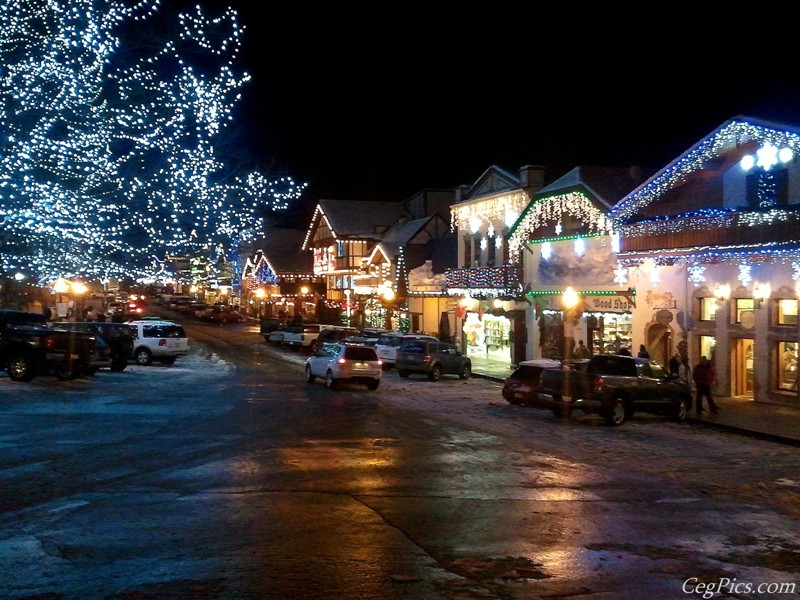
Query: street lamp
x=347 y=293
x=569 y=300
x=79 y=289
x=387 y=294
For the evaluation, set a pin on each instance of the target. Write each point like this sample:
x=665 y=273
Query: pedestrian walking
x=582 y=351
x=685 y=375
x=704 y=377
x=643 y=353
x=675 y=363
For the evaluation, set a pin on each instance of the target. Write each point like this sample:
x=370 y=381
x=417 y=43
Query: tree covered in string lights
x=114 y=122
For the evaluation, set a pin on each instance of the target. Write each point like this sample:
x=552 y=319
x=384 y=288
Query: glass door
x=743 y=361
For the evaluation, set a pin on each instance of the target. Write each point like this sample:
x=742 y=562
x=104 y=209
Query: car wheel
x=403 y=373
x=561 y=412
x=436 y=373
x=167 y=360
x=66 y=371
x=330 y=382
x=21 y=368
x=466 y=371
x=119 y=364
x=309 y=377
x=373 y=385
x=616 y=414
x=143 y=357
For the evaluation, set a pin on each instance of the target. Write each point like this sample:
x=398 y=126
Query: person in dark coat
x=643 y=353
x=704 y=377
x=675 y=364
x=624 y=351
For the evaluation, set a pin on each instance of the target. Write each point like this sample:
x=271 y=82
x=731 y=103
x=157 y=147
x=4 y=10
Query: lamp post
x=347 y=293
x=569 y=300
x=388 y=298
x=260 y=294
x=79 y=289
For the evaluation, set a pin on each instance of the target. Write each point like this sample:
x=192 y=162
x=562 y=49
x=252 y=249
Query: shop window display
x=787 y=366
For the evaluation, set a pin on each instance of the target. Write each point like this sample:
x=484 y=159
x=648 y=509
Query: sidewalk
x=755 y=419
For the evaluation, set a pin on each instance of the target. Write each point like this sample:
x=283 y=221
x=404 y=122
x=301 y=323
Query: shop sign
x=619 y=304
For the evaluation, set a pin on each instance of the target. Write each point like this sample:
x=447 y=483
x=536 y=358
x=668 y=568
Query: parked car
x=304 y=336
x=389 y=342
x=522 y=386
x=275 y=336
x=615 y=387
x=368 y=337
x=344 y=363
x=223 y=315
x=117 y=336
x=335 y=334
x=432 y=358
x=270 y=324
x=159 y=340
x=29 y=346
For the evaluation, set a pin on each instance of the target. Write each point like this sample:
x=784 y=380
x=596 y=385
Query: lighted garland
x=545 y=210
x=107 y=168
x=726 y=137
x=487 y=210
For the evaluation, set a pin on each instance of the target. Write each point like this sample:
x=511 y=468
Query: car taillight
x=162 y=342
x=427 y=358
x=341 y=361
x=49 y=342
x=598 y=383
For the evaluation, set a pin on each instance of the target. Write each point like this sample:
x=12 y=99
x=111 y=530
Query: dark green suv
x=433 y=359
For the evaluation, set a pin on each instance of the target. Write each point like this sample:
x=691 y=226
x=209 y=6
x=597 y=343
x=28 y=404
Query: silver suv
x=156 y=339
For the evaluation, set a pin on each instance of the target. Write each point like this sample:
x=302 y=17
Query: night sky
x=367 y=105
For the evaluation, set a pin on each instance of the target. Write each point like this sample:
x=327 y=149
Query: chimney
x=531 y=177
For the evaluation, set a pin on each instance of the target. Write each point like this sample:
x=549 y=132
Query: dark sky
x=379 y=106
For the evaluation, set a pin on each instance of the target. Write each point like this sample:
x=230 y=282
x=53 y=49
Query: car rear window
x=393 y=341
x=163 y=331
x=527 y=372
x=414 y=347
x=362 y=353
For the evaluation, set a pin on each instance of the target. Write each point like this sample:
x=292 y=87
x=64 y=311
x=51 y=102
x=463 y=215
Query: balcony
x=486 y=282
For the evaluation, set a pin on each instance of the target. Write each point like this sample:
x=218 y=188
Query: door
x=742 y=366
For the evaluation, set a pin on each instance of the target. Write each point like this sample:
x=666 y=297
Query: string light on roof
x=729 y=136
x=551 y=209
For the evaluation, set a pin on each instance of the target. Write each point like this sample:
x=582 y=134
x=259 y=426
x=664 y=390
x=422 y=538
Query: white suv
x=345 y=363
x=389 y=342
x=156 y=339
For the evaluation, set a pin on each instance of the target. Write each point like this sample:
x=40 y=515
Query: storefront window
x=708 y=309
x=708 y=344
x=787 y=312
x=743 y=305
x=787 y=366
x=612 y=331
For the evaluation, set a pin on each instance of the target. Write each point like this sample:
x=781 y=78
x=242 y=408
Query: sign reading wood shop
x=603 y=303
